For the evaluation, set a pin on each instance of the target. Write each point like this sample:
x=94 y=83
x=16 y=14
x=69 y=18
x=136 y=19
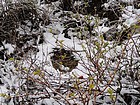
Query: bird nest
x=63 y=60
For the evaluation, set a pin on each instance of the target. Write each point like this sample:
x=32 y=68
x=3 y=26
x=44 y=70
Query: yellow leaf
x=91 y=86
x=37 y=72
x=97 y=44
x=105 y=44
x=71 y=94
x=25 y=69
x=16 y=69
x=50 y=30
x=63 y=56
x=11 y=59
x=2 y=94
x=61 y=63
x=61 y=41
x=101 y=36
x=83 y=46
x=110 y=91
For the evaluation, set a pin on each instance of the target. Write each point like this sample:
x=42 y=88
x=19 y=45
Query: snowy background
x=107 y=48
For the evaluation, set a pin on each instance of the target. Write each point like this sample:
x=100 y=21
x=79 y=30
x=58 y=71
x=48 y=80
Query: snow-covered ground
x=56 y=86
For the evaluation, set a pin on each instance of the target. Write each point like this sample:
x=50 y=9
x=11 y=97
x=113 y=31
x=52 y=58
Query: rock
x=65 y=32
x=18 y=15
x=118 y=35
x=70 y=24
x=63 y=60
x=111 y=34
x=137 y=4
x=3 y=54
x=67 y=5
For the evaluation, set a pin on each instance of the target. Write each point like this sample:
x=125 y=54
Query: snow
x=52 y=40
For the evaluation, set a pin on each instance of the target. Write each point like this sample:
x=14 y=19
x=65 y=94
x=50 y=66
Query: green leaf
x=11 y=59
x=91 y=86
x=61 y=63
x=101 y=36
x=63 y=56
x=110 y=91
x=97 y=44
x=83 y=46
x=72 y=94
x=90 y=78
x=37 y=72
x=3 y=95
x=105 y=44
x=25 y=69
x=112 y=97
x=16 y=69
x=61 y=43
x=75 y=86
x=50 y=30
x=86 y=28
x=137 y=26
